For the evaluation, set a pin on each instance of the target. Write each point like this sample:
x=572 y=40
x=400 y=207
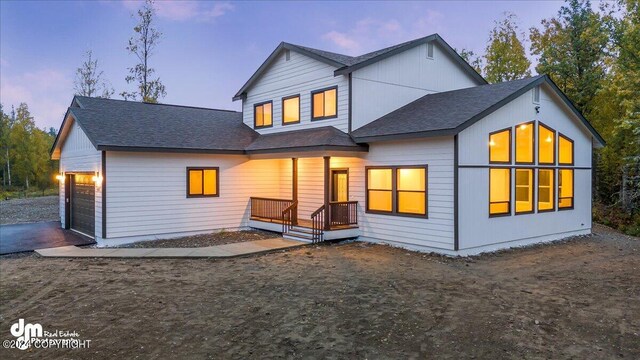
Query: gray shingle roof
x=345 y=64
x=322 y=138
x=444 y=112
x=116 y=123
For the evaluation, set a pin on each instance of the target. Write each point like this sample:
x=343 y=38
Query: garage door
x=82 y=204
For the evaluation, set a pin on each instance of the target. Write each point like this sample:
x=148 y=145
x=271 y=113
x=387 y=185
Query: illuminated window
x=202 y=182
x=380 y=189
x=407 y=196
x=499 y=191
x=524 y=191
x=500 y=147
x=546 y=145
x=324 y=104
x=524 y=143
x=412 y=190
x=545 y=190
x=565 y=189
x=291 y=110
x=263 y=115
x=565 y=150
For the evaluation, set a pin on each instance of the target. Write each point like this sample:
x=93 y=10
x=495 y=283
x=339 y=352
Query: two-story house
x=407 y=146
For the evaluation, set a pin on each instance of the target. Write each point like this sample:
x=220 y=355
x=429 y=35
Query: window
x=430 y=50
x=324 y=104
x=524 y=191
x=565 y=150
x=379 y=190
x=499 y=191
x=500 y=147
x=565 y=189
x=545 y=190
x=536 y=95
x=263 y=115
x=524 y=143
x=546 y=145
x=397 y=190
x=412 y=190
x=202 y=182
x=291 y=110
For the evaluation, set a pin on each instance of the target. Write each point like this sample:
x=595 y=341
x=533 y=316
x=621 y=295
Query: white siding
x=434 y=232
x=396 y=81
x=146 y=192
x=299 y=75
x=476 y=228
x=79 y=155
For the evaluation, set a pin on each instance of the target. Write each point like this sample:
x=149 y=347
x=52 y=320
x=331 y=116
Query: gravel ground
x=575 y=299
x=37 y=209
x=220 y=238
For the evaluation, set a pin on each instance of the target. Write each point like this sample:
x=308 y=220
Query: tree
x=89 y=81
x=21 y=152
x=505 y=55
x=142 y=45
x=472 y=59
x=571 y=49
x=616 y=112
x=5 y=130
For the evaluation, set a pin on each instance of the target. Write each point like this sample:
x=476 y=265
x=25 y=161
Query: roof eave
x=169 y=150
x=356 y=148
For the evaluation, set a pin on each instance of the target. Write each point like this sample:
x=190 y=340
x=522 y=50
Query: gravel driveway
x=37 y=209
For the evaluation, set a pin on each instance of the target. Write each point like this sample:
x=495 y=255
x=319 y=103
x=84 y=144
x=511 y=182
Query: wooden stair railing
x=317 y=224
x=289 y=217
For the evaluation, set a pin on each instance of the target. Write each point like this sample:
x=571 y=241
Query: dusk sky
x=209 y=49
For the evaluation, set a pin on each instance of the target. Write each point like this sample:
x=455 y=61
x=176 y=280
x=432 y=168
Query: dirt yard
x=28 y=210
x=575 y=299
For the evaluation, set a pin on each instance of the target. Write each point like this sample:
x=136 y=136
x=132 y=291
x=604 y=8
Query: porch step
x=298 y=237
x=301 y=229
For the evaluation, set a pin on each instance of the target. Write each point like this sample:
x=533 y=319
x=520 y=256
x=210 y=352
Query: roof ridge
x=316 y=49
x=163 y=104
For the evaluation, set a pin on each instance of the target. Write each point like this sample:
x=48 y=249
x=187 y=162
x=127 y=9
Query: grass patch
x=617 y=218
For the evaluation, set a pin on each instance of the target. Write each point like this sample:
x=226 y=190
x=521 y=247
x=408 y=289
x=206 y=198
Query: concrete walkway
x=219 y=251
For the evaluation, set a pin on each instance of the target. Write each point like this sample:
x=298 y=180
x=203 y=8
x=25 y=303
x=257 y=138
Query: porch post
x=294 y=188
x=327 y=210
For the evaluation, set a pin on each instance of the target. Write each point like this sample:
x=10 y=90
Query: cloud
x=47 y=92
x=176 y=10
x=369 y=34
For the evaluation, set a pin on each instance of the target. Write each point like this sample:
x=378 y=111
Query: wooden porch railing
x=269 y=209
x=317 y=224
x=343 y=213
x=289 y=217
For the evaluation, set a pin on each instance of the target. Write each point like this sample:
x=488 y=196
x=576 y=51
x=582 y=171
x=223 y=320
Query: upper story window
x=291 y=110
x=524 y=143
x=324 y=103
x=263 y=115
x=202 y=182
x=546 y=145
x=500 y=147
x=565 y=150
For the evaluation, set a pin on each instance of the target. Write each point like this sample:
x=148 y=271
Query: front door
x=339 y=185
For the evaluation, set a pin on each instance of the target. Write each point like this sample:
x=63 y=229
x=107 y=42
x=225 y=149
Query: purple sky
x=210 y=49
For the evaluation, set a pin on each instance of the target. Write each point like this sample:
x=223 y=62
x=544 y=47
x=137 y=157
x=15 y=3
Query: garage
x=82 y=209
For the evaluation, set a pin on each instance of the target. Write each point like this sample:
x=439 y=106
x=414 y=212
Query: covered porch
x=320 y=206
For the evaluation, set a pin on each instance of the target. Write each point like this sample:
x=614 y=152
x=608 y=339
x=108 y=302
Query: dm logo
x=25 y=332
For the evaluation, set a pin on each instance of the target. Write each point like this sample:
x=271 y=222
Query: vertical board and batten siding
x=300 y=75
x=79 y=155
x=391 y=83
x=147 y=193
x=476 y=228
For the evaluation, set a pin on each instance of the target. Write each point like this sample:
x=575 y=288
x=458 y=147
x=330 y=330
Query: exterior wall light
x=97 y=179
x=60 y=177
